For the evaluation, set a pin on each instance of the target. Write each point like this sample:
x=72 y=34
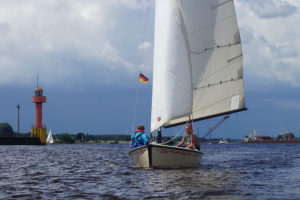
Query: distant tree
x=27 y=134
x=80 y=136
x=66 y=138
x=6 y=130
x=89 y=137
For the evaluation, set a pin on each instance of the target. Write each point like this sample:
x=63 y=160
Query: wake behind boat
x=197 y=73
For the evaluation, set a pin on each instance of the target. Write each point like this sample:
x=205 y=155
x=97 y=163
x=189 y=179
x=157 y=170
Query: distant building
x=284 y=135
x=254 y=137
x=263 y=138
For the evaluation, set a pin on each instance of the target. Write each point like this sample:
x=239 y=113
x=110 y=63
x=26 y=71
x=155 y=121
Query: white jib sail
x=205 y=36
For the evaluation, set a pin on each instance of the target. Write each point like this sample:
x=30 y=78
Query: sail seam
x=215 y=47
x=222 y=68
x=221 y=4
x=218 y=83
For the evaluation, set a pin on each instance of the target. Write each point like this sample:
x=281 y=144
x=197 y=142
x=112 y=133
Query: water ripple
x=104 y=172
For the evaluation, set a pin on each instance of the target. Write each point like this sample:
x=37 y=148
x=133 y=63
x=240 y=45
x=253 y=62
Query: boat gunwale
x=167 y=147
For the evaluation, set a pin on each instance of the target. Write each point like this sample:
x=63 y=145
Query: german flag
x=143 y=78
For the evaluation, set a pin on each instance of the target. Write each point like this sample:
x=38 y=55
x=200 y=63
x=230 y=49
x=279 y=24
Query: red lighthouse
x=38 y=130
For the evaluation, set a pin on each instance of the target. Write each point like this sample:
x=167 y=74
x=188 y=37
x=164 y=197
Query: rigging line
x=191 y=126
x=134 y=110
x=144 y=38
x=176 y=134
x=214 y=128
x=215 y=47
x=140 y=69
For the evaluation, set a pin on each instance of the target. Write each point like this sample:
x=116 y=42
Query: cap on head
x=141 y=127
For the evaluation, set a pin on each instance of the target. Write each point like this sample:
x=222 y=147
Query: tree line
x=6 y=130
x=87 y=138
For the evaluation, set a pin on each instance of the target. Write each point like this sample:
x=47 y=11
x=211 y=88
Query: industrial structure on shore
x=283 y=137
x=39 y=130
x=38 y=134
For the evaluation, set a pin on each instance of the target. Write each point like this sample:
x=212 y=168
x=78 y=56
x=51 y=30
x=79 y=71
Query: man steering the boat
x=187 y=140
x=139 y=138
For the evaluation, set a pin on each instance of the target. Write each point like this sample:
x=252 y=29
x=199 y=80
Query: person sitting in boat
x=139 y=138
x=187 y=139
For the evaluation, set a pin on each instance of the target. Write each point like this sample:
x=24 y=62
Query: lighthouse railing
x=34 y=126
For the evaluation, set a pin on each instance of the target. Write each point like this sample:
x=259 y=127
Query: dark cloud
x=71 y=42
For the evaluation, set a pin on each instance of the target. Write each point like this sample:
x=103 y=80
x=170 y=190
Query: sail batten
x=202 y=52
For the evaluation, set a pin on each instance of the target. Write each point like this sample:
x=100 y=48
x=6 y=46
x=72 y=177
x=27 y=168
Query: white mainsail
x=198 y=64
x=49 y=138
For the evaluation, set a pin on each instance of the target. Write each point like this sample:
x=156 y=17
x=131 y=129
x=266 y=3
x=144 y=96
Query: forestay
x=197 y=61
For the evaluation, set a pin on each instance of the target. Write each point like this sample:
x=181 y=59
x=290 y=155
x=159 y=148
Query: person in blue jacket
x=139 y=138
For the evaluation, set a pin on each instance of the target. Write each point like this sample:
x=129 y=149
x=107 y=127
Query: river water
x=103 y=171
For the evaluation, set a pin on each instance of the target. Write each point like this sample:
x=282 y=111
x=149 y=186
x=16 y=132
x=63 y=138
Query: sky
x=88 y=54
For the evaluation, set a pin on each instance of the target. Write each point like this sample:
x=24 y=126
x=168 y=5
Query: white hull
x=164 y=156
x=222 y=141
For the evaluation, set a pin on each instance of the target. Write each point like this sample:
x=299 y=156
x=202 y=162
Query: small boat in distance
x=49 y=138
x=223 y=141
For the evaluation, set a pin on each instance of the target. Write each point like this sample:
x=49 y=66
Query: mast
x=159 y=136
x=198 y=63
x=18 y=107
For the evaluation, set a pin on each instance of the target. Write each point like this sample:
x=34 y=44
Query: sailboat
x=49 y=138
x=197 y=73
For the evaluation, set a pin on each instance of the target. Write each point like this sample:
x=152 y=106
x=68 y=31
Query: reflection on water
x=102 y=171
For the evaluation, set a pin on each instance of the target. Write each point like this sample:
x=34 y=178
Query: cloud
x=272 y=8
x=4 y=28
x=281 y=50
x=145 y=45
x=83 y=42
x=270 y=45
x=272 y=62
x=134 y=4
x=70 y=42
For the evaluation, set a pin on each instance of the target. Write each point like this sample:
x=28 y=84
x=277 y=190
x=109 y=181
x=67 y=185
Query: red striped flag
x=143 y=78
